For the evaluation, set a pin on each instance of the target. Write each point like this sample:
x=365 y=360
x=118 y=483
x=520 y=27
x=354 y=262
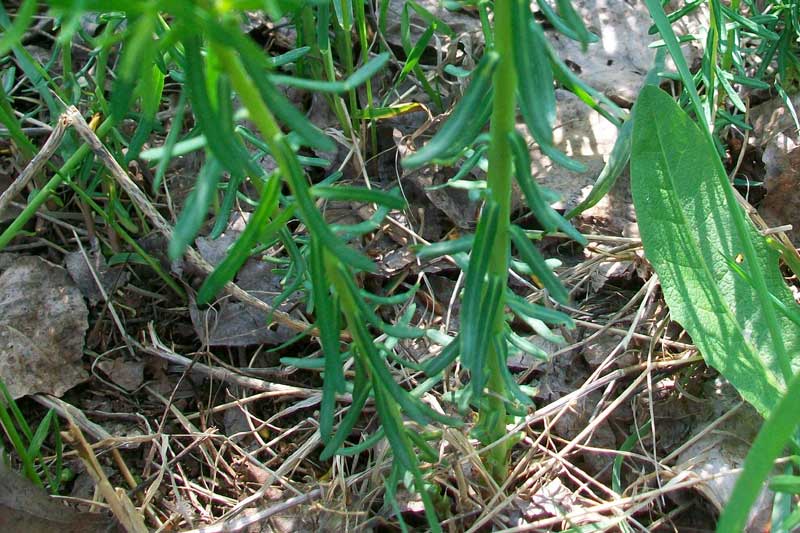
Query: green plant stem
x=499 y=182
x=361 y=21
x=338 y=104
x=713 y=53
x=727 y=59
x=346 y=48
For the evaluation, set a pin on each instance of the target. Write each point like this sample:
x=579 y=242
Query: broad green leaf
x=687 y=231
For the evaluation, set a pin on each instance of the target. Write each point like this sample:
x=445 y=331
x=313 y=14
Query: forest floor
x=190 y=410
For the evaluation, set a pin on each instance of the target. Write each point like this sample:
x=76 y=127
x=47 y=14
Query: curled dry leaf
x=42 y=328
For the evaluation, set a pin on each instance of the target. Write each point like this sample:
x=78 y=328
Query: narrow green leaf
x=444 y=359
x=359 y=77
x=461 y=117
x=168 y=149
x=9 y=120
x=561 y=25
x=471 y=318
x=42 y=431
x=491 y=302
x=575 y=22
x=186 y=146
x=361 y=390
x=285 y=110
x=785 y=483
x=359 y=194
x=415 y=53
x=136 y=56
x=665 y=29
x=327 y=320
x=395 y=432
x=289 y=57
x=523 y=308
x=535 y=91
x=452 y=247
x=150 y=89
x=196 y=208
x=222 y=141
x=590 y=96
x=617 y=161
x=311 y=216
x=512 y=387
x=258 y=228
x=426 y=451
x=545 y=214
x=526 y=345
x=364 y=445
x=535 y=261
x=13 y=35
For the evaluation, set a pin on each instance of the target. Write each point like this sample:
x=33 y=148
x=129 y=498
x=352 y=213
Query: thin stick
x=275 y=389
x=36 y=164
x=192 y=256
x=129 y=517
